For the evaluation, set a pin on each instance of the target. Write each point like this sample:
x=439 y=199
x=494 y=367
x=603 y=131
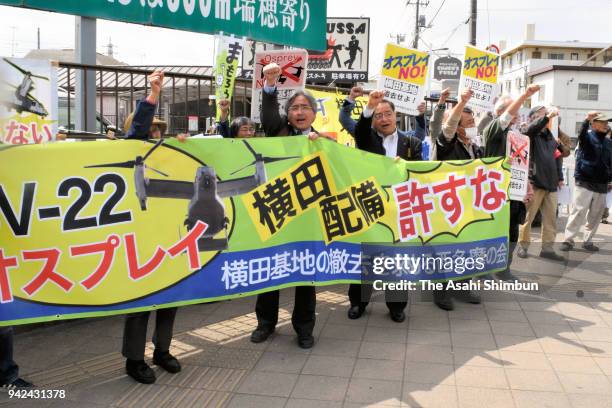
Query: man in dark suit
x=301 y=111
x=377 y=132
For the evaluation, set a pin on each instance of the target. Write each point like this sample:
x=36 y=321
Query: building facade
x=575 y=91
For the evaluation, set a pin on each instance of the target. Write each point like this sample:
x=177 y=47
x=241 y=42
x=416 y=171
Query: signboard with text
x=403 y=77
x=517 y=151
x=479 y=73
x=293 y=65
x=300 y=23
x=345 y=59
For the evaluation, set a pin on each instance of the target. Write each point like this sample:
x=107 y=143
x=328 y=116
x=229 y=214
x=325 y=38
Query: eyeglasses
x=297 y=108
x=386 y=115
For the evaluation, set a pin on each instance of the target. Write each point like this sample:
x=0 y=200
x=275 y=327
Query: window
x=542 y=93
x=509 y=86
x=536 y=55
x=555 y=56
x=588 y=92
x=607 y=58
x=517 y=83
x=574 y=56
x=519 y=57
x=578 y=127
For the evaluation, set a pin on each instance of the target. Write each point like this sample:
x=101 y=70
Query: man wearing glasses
x=301 y=111
x=377 y=132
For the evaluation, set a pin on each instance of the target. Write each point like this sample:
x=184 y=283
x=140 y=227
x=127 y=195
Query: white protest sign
x=293 y=65
x=517 y=151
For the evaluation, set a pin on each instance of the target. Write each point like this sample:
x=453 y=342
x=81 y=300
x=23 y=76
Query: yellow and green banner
x=228 y=55
x=99 y=228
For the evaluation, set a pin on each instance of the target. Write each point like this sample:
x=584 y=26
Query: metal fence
x=186 y=92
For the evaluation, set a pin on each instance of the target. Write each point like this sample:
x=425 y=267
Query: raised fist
x=356 y=92
x=156 y=80
x=421 y=108
x=443 y=96
x=224 y=108
x=466 y=95
x=375 y=98
x=271 y=73
x=591 y=115
x=532 y=90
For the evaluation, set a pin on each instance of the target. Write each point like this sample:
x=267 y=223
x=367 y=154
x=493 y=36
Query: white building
x=531 y=55
x=575 y=91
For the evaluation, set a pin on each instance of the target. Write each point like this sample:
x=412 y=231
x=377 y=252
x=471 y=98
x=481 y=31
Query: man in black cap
x=593 y=175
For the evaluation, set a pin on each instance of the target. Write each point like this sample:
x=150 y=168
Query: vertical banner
x=403 y=77
x=517 y=151
x=228 y=56
x=293 y=65
x=28 y=101
x=480 y=69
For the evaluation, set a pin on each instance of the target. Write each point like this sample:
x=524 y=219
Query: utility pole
x=418 y=4
x=38 y=37
x=473 y=18
x=13 y=28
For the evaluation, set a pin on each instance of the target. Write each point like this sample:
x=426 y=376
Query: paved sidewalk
x=511 y=351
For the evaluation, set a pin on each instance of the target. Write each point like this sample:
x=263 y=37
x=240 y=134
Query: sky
x=560 y=20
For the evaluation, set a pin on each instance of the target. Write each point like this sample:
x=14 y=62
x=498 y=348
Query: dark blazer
x=366 y=138
x=273 y=122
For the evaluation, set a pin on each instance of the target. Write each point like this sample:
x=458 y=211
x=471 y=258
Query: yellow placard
x=480 y=64
x=405 y=64
x=327 y=121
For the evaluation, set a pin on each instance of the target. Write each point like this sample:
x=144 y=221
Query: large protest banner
x=300 y=23
x=480 y=69
x=28 y=101
x=293 y=65
x=94 y=229
x=403 y=77
x=329 y=104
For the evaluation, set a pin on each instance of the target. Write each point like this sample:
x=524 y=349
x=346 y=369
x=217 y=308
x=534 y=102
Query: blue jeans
x=9 y=371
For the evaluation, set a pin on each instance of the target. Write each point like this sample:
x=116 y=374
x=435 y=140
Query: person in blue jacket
x=349 y=124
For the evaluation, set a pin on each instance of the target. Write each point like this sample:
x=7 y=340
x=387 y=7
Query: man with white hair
x=496 y=136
